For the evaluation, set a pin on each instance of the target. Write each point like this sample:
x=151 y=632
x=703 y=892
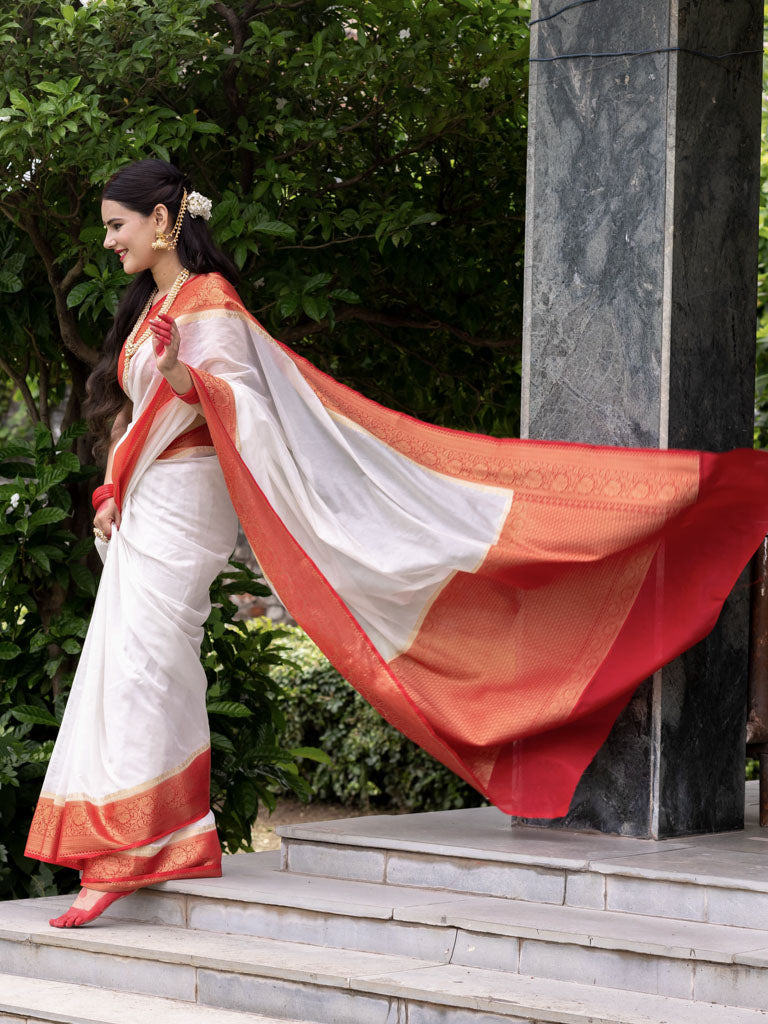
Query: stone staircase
x=451 y=918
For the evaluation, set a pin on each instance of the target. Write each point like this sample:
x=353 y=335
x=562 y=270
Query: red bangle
x=190 y=397
x=101 y=494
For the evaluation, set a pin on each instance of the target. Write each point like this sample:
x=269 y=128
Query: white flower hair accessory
x=199 y=205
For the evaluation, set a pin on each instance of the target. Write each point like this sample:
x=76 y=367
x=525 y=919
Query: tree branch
x=304 y=330
x=43 y=409
x=325 y=245
x=23 y=387
x=67 y=323
x=253 y=8
x=72 y=275
x=232 y=19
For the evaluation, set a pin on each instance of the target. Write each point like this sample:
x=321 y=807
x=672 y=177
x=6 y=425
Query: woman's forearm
x=179 y=378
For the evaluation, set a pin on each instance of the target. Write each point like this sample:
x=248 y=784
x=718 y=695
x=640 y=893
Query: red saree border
x=77 y=829
x=194 y=856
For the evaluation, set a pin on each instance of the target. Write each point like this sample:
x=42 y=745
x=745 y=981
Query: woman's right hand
x=107 y=514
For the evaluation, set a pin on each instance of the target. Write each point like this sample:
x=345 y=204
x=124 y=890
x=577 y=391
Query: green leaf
x=9 y=282
x=240 y=255
x=221 y=742
x=318 y=281
x=311 y=753
x=8 y=650
x=39 y=640
x=43 y=439
x=313 y=307
x=68 y=461
x=79 y=293
x=345 y=295
x=81 y=548
x=68 y=12
x=83 y=577
x=52 y=666
x=40 y=556
x=7 y=555
x=33 y=715
x=76 y=430
x=71 y=646
x=46 y=516
x=229 y=708
x=287 y=305
x=17 y=450
x=20 y=101
x=54 y=88
x=207 y=127
x=275 y=227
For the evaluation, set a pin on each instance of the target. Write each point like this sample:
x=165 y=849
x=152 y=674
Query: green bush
x=250 y=765
x=46 y=592
x=370 y=764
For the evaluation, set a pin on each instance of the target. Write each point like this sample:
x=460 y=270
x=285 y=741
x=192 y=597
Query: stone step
x=616 y=950
x=26 y=1000
x=720 y=879
x=682 y=960
x=293 y=981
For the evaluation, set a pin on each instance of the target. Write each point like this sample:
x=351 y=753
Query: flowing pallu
x=498 y=601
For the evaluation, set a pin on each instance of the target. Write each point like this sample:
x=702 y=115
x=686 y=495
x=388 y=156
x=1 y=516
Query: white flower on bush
x=15 y=499
x=281 y=102
x=259 y=284
x=484 y=82
x=404 y=33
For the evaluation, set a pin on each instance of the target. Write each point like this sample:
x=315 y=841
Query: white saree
x=497 y=600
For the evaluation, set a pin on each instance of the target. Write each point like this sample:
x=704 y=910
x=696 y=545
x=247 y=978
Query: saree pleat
x=498 y=601
x=126 y=796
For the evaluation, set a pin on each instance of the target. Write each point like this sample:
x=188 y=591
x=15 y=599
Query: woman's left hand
x=166 y=342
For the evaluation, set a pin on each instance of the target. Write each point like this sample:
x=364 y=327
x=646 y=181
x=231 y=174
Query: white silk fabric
x=385 y=532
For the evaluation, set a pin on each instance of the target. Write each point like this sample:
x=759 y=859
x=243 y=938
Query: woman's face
x=130 y=234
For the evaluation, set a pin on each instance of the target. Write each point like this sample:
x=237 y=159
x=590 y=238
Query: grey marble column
x=641 y=255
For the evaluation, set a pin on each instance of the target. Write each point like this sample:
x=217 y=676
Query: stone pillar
x=641 y=255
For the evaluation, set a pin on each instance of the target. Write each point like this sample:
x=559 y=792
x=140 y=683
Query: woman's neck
x=165 y=273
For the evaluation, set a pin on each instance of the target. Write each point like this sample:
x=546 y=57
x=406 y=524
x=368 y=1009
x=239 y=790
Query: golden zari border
x=197 y=855
x=69 y=831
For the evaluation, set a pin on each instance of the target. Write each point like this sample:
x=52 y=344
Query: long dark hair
x=141 y=186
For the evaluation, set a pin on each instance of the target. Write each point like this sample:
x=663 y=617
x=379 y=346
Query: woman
x=497 y=600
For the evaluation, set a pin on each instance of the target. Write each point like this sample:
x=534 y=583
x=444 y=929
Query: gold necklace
x=132 y=344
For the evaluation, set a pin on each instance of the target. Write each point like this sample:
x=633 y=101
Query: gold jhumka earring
x=168 y=242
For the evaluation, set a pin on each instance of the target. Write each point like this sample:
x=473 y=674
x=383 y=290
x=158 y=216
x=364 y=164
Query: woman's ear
x=161 y=218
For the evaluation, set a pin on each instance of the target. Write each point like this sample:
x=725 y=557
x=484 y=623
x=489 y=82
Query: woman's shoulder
x=210 y=291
